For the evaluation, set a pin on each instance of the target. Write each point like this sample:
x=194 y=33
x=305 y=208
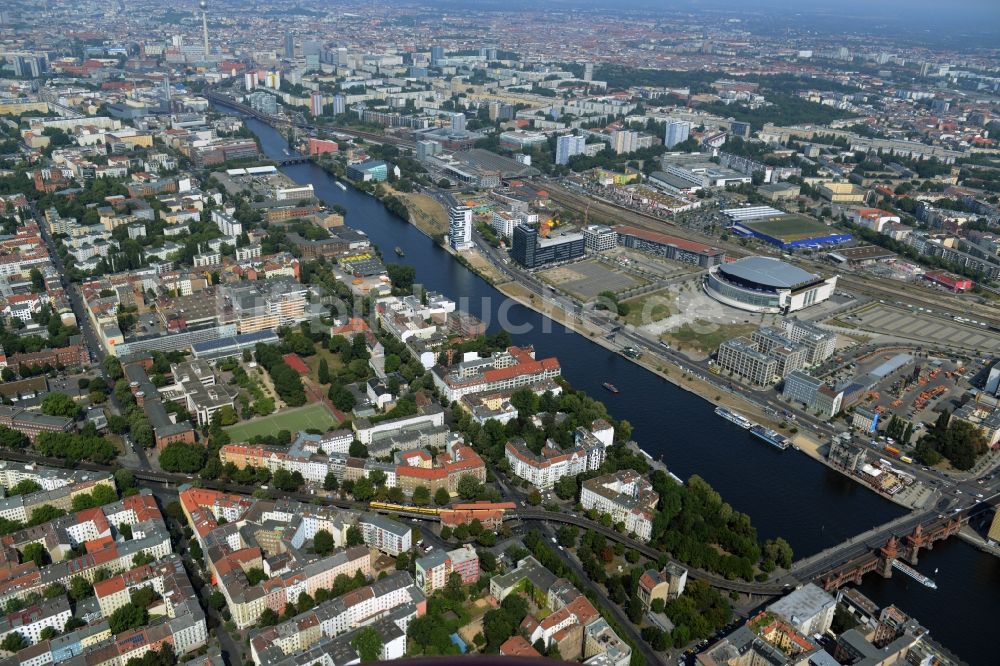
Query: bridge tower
x=914 y=542
x=888 y=553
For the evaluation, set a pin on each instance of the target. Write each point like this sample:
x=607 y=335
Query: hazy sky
x=937 y=19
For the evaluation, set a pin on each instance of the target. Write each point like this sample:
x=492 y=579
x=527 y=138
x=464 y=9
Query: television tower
x=204 y=23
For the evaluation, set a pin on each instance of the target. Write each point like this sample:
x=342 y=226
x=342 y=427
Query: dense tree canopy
x=182 y=457
x=368 y=644
x=959 y=441
x=76 y=446
x=60 y=404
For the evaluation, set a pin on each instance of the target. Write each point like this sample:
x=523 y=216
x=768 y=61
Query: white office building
x=460 y=227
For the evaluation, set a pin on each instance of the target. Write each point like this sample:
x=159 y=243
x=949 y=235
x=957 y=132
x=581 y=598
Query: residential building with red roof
x=513 y=368
x=274 y=537
x=517 y=646
x=449 y=468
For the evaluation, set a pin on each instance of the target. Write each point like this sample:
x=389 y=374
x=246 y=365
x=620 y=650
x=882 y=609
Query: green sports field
x=789 y=228
x=315 y=416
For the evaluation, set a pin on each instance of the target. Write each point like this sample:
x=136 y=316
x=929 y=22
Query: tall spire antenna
x=204 y=23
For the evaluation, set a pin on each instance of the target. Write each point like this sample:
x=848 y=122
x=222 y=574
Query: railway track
x=583 y=204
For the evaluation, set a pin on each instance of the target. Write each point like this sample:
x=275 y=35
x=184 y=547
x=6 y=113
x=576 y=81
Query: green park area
x=315 y=416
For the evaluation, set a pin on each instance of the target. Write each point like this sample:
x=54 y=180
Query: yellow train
x=402 y=508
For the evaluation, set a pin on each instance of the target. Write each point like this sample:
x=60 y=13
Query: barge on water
x=733 y=417
x=773 y=438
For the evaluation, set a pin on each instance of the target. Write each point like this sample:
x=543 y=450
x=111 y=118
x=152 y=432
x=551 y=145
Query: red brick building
x=65 y=356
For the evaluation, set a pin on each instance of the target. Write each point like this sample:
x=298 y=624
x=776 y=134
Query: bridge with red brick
x=906 y=548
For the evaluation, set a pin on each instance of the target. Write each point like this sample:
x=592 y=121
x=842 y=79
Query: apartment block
x=302 y=455
x=814 y=393
x=31 y=621
x=387 y=535
x=789 y=355
x=627 y=496
x=820 y=344
x=573 y=626
x=513 y=368
x=263 y=304
x=276 y=537
x=96 y=531
x=545 y=468
x=58 y=487
x=666 y=584
x=394 y=599
x=434 y=569
x=742 y=357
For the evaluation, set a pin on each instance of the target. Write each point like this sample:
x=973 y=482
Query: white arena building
x=763 y=284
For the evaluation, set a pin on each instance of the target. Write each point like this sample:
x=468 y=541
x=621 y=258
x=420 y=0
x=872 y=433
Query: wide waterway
x=785 y=493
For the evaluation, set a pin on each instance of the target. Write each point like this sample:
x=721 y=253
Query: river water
x=785 y=493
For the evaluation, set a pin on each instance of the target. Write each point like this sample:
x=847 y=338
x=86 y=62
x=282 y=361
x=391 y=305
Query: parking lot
x=914 y=324
x=586 y=279
x=648 y=265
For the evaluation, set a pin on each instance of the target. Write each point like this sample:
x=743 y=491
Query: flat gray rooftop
x=769 y=272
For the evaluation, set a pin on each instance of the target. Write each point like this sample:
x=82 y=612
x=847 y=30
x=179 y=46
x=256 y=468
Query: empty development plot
x=314 y=416
x=648 y=308
x=706 y=336
x=587 y=279
x=427 y=213
x=910 y=324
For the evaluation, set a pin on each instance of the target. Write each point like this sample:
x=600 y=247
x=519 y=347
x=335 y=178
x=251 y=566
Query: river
x=785 y=493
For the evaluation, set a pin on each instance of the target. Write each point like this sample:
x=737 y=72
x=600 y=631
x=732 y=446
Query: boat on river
x=773 y=438
x=914 y=574
x=733 y=417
